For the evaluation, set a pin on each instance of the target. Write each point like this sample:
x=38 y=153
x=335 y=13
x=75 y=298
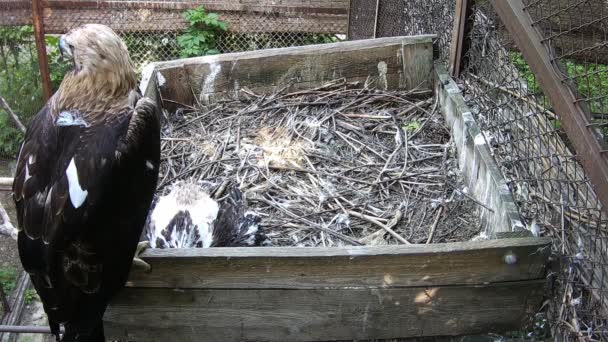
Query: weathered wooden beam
x=575 y=120
x=460 y=44
x=397 y=62
x=483 y=178
x=319 y=314
x=344 y=267
x=43 y=63
x=139 y=16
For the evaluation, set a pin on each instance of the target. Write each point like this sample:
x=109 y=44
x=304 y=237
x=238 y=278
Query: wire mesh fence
x=577 y=31
x=554 y=195
x=152 y=31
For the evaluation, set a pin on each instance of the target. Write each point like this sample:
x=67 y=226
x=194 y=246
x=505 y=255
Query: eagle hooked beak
x=65 y=48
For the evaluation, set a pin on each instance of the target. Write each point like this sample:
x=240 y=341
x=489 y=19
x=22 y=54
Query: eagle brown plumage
x=86 y=174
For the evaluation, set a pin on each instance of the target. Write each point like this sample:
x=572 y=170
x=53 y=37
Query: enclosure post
x=460 y=35
x=43 y=62
x=574 y=120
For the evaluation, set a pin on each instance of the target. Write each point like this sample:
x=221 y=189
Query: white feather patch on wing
x=27 y=173
x=149 y=165
x=71 y=118
x=77 y=194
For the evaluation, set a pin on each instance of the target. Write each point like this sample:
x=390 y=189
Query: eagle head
x=101 y=63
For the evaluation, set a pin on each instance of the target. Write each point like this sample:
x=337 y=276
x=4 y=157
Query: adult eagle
x=85 y=178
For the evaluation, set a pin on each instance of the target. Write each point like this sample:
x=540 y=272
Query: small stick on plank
x=435 y=223
x=469 y=197
x=379 y=224
x=393 y=222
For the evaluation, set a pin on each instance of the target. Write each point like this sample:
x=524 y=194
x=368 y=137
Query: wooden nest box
x=337 y=293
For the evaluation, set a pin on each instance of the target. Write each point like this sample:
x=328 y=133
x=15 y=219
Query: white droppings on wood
x=511 y=258
x=161 y=79
x=209 y=83
x=77 y=194
x=146 y=74
x=382 y=72
x=479 y=139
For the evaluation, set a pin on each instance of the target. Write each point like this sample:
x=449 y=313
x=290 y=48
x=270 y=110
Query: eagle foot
x=137 y=262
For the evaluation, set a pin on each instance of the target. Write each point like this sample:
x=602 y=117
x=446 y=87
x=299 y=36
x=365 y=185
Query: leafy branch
x=200 y=38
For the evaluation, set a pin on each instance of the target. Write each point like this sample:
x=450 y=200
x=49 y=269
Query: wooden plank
x=129 y=16
x=305 y=20
x=463 y=22
x=264 y=6
x=482 y=175
x=344 y=267
x=320 y=314
x=304 y=67
x=417 y=73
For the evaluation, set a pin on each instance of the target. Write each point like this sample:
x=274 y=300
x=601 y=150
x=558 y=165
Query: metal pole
x=26 y=329
x=43 y=62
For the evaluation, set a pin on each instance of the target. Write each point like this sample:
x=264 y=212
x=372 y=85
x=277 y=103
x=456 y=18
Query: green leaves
x=200 y=38
x=8 y=279
x=57 y=66
x=412 y=126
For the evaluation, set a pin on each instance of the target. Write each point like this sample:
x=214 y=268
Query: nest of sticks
x=341 y=164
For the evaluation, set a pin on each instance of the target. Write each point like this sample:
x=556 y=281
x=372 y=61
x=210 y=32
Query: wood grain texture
x=243 y=16
x=318 y=315
x=216 y=77
x=482 y=175
x=344 y=267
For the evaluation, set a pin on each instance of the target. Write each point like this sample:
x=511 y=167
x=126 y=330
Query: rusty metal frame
x=460 y=36
x=45 y=75
x=590 y=150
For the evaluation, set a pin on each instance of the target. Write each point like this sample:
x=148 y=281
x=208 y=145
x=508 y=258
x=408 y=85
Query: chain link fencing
x=536 y=156
x=152 y=31
x=553 y=194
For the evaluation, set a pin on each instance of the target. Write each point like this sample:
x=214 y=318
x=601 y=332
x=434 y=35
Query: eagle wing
x=68 y=173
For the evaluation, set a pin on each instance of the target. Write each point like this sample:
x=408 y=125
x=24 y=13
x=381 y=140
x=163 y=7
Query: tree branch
x=12 y=114
x=7 y=228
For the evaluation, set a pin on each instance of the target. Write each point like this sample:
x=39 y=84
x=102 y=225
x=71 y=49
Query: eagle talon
x=139 y=263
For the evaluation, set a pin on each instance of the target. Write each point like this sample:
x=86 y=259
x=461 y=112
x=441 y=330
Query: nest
x=341 y=164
